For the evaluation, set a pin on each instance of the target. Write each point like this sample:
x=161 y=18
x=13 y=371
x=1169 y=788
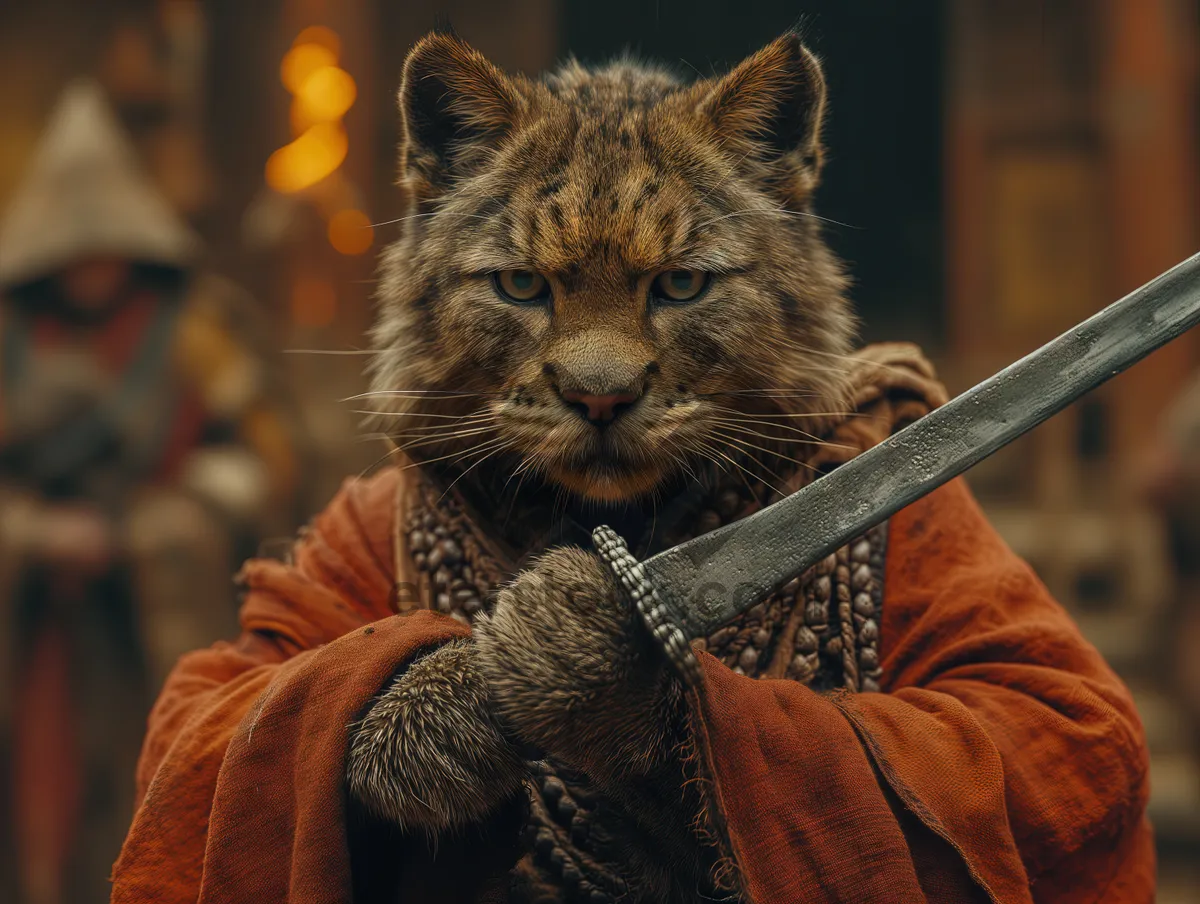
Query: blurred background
x=1002 y=168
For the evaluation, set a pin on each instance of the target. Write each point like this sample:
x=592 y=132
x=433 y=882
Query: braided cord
x=655 y=613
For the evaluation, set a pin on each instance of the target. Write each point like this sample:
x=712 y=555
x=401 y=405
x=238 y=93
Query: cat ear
x=452 y=102
x=774 y=103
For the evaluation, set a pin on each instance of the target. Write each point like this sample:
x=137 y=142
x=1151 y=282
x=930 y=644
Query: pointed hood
x=86 y=194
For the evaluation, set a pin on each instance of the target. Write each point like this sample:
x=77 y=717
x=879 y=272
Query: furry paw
x=429 y=754
x=572 y=672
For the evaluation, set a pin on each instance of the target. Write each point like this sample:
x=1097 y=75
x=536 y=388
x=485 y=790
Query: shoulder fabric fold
x=242 y=771
x=1003 y=757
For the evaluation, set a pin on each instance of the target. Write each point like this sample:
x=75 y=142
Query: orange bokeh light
x=322 y=93
x=314 y=302
x=321 y=36
x=309 y=159
x=301 y=62
x=325 y=95
x=350 y=232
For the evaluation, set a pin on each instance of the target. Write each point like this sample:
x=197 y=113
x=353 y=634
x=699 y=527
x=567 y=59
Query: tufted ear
x=774 y=103
x=452 y=102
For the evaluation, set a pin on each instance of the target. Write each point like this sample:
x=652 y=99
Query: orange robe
x=1004 y=761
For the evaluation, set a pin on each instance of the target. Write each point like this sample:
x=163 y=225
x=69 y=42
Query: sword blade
x=706 y=582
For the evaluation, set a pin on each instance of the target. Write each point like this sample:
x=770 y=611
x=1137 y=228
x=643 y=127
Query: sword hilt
x=653 y=604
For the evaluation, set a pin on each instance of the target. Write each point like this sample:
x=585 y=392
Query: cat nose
x=600 y=409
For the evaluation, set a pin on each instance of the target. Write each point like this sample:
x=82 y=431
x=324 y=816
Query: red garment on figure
x=46 y=769
x=1004 y=761
x=115 y=343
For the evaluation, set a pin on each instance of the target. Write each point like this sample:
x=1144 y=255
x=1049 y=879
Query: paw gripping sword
x=690 y=590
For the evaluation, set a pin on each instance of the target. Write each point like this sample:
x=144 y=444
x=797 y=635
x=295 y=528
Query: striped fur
x=600 y=179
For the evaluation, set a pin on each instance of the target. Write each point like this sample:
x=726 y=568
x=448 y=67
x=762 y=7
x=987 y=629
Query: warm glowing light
x=308 y=159
x=322 y=37
x=350 y=232
x=322 y=93
x=314 y=302
x=324 y=97
x=301 y=62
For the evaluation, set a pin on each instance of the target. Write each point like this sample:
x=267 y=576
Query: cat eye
x=521 y=286
x=674 y=286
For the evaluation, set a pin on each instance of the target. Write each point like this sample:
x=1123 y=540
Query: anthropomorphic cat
x=610 y=303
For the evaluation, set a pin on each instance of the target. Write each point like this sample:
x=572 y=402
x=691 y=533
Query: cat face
x=607 y=275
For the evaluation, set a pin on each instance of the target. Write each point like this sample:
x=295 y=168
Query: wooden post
x=1072 y=170
x=1150 y=97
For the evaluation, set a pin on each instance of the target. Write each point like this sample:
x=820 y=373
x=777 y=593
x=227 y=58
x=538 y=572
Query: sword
x=690 y=590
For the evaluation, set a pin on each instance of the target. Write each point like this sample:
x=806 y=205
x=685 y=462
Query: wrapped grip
x=650 y=601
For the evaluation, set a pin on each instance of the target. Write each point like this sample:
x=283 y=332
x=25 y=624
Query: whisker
x=682 y=462
x=790 y=414
x=512 y=502
x=428 y=393
x=731 y=416
x=749 y=446
x=386 y=413
x=745 y=472
x=696 y=447
x=446 y=423
x=773 y=211
x=728 y=173
x=476 y=464
x=423 y=441
x=809 y=439
x=417 y=442
x=371 y=437
x=767 y=393
x=464 y=420
x=742 y=471
x=373 y=465
x=839 y=356
x=331 y=351
x=446 y=431
x=483 y=445
x=434 y=213
x=522 y=468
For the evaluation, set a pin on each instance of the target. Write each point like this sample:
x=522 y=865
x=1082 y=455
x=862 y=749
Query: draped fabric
x=1002 y=761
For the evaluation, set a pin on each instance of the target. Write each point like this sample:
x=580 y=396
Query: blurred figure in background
x=141 y=449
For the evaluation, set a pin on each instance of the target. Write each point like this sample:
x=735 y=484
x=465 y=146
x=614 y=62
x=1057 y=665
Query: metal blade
x=702 y=584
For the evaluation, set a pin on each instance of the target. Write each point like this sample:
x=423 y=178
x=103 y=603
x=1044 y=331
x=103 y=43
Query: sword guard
x=649 y=602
